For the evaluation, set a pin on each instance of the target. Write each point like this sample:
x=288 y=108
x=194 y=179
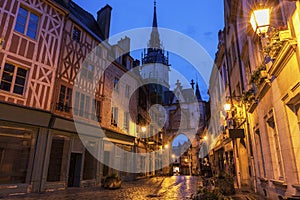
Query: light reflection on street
x=157 y=188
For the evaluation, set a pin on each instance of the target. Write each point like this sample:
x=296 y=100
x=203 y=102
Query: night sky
x=200 y=20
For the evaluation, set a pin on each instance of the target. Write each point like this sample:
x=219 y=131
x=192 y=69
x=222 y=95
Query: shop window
x=56 y=159
x=27 y=23
x=15 y=146
x=90 y=166
x=13 y=79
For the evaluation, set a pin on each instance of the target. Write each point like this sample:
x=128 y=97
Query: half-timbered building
x=31 y=34
x=53 y=60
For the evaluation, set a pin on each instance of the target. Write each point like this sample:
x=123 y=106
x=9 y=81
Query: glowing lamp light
x=227 y=106
x=166 y=146
x=144 y=129
x=260 y=20
x=205 y=138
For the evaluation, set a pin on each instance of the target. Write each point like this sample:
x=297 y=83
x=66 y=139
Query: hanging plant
x=248 y=96
x=259 y=75
x=275 y=44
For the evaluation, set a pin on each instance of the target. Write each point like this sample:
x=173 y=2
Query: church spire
x=198 y=95
x=154 y=40
x=154 y=24
x=155 y=52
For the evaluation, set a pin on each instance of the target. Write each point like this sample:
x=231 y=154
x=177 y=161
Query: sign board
x=236 y=133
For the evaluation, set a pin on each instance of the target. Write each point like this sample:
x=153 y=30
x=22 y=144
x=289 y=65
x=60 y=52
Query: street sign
x=236 y=133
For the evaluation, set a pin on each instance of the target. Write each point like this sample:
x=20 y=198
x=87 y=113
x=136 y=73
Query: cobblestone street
x=175 y=187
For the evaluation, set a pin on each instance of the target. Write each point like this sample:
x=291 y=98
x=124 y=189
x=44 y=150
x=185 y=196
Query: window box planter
x=259 y=75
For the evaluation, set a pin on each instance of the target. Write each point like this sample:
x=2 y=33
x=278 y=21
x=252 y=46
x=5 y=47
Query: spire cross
x=155 y=3
x=192 y=83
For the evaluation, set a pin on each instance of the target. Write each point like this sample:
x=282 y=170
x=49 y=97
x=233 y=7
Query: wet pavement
x=175 y=187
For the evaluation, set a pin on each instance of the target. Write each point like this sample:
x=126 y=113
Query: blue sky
x=200 y=20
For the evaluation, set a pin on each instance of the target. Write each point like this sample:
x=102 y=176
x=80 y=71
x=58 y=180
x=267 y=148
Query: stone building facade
x=264 y=96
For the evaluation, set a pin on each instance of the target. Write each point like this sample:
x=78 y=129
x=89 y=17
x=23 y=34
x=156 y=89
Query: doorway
x=106 y=162
x=75 y=170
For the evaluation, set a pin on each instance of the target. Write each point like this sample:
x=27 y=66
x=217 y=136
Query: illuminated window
x=27 y=23
x=13 y=79
x=15 y=151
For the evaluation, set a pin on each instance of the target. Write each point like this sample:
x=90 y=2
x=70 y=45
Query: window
x=82 y=105
x=127 y=91
x=128 y=64
x=99 y=51
x=126 y=121
x=64 y=101
x=114 y=116
x=118 y=56
x=76 y=104
x=275 y=144
x=87 y=106
x=260 y=153
x=15 y=151
x=90 y=72
x=76 y=34
x=116 y=84
x=56 y=159
x=27 y=23
x=13 y=79
x=97 y=110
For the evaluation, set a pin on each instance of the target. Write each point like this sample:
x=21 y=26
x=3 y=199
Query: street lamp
x=227 y=107
x=144 y=129
x=260 y=20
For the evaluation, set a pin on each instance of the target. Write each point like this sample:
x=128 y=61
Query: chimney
x=103 y=20
x=125 y=44
x=67 y=2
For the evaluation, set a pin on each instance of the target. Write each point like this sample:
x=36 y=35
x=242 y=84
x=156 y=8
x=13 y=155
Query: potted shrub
x=112 y=182
x=225 y=184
